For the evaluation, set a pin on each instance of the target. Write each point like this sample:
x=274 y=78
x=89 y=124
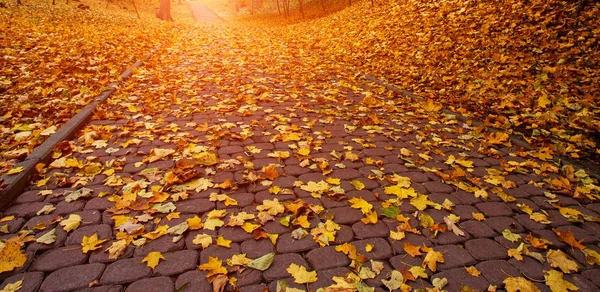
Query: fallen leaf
x=203 y=240
x=558 y=259
x=48 y=238
x=473 y=271
x=71 y=223
x=152 y=259
x=92 y=242
x=395 y=280
x=519 y=284
x=214 y=267
x=301 y=275
x=554 y=280
x=11 y=257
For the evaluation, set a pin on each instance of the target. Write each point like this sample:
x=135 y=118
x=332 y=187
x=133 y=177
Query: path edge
x=15 y=184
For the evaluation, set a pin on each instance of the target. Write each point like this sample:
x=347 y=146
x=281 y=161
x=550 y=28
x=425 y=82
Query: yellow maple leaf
x=432 y=258
x=158 y=232
x=117 y=249
x=89 y=243
x=473 y=271
x=301 y=275
x=11 y=257
x=412 y=250
x=432 y=106
x=397 y=235
x=221 y=241
x=418 y=272
x=400 y=191
x=153 y=258
x=592 y=257
x=519 y=284
x=194 y=223
x=543 y=101
x=497 y=138
x=249 y=227
x=199 y=185
x=301 y=221
x=213 y=223
x=71 y=223
x=359 y=203
x=515 y=253
x=214 y=267
x=238 y=260
x=558 y=259
x=203 y=240
x=316 y=188
x=358 y=185
x=554 y=280
x=478 y=216
x=370 y=218
x=421 y=202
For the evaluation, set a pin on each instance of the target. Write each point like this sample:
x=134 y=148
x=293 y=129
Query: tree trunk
x=19 y=2
x=323 y=5
x=301 y=8
x=372 y=3
x=164 y=10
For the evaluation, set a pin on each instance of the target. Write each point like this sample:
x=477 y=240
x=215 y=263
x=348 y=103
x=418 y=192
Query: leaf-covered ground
x=56 y=58
x=233 y=160
x=526 y=66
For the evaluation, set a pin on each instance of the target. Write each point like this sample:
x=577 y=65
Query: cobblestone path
x=225 y=118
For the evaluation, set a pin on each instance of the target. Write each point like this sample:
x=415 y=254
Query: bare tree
x=164 y=10
x=301 y=8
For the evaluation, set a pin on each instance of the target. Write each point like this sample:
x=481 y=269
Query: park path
x=202 y=13
x=231 y=120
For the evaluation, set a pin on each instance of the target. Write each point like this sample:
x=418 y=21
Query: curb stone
x=16 y=183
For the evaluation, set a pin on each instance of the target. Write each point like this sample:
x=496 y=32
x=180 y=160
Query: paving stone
x=195 y=281
x=243 y=199
x=98 y=204
x=530 y=268
x=326 y=258
x=458 y=277
x=364 y=194
x=14 y=225
x=151 y=284
x=31 y=281
x=497 y=270
x=384 y=274
x=29 y=197
x=194 y=206
x=245 y=277
x=414 y=239
x=72 y=278
x=257 y=248
x=295 y=170
x=255 y=288
x=24 y=210
x=103 y=231
x=346 y=173
x=64 y=208
x=345 y=234
x=499 y=224
x=235 y=234
x=329 y=203
x=593 y=276
x=56 y=259
x=324 y=277
x=177 y=262
x=580 y=233
x=101 y=256
x=280 y=263
x=448 y=237
x=125 y=271
x=287 y=244
x=477 y=229
x=465 y=198
x=381 y=248
x=438 y=187
x=484 y=249
x=162 y=244
x=219 y=252
x=346 y=215
x=454 y=256
x=494 y=209
x=274 y=227
x=581 y=282
x=529 y=224
x=416 y=177
x=362 y=230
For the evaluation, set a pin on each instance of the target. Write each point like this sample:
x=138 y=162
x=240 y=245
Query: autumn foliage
x=526 y=66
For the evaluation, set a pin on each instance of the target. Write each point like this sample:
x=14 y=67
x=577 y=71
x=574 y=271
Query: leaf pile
x=529 y=66
x=55 y=59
